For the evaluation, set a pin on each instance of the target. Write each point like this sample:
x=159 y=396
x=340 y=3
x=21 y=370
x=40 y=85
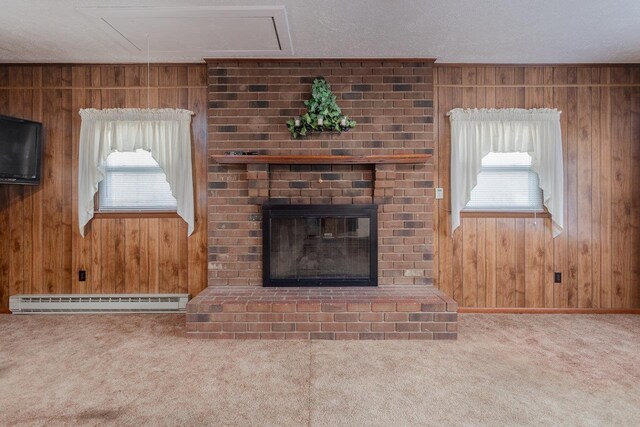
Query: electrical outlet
x=439 y=193
x=82 y=275
x=557 y=277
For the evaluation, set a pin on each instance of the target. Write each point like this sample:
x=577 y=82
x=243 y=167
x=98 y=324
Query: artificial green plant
x=322 y=104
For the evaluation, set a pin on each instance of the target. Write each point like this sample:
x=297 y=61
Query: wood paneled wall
x=41 y=249
x=509 y=262
x=487 y=262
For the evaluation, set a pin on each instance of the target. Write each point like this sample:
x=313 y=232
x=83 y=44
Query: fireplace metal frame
x=270 y=211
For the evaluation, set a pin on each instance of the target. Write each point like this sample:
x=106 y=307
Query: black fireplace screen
x=320 y=245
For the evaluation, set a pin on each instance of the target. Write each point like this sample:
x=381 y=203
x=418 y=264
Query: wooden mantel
x=320 y=160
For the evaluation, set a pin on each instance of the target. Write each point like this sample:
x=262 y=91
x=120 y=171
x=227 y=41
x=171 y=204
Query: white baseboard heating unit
x=97 y=303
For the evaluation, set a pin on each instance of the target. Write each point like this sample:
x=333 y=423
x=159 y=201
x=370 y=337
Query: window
x=134 y=182
x=506 y=183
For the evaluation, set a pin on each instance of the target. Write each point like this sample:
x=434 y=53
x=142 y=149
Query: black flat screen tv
x=20 y=151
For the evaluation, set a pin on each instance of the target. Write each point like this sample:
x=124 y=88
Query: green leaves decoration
x=321 y=105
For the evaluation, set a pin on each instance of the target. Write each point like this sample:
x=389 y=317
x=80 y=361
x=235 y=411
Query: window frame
x=507 y=213
x=160 y=213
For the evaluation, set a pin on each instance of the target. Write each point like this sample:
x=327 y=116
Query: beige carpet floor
x=505 y=370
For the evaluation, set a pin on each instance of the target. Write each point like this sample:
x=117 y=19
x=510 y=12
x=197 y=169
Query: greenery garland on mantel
x=323 y=114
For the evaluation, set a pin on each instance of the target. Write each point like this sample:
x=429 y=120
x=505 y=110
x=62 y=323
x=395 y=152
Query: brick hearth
x=393 y=312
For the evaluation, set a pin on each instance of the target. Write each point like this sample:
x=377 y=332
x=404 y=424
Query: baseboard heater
x=97 y=303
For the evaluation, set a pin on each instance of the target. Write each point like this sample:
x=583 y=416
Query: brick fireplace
x=249 y=103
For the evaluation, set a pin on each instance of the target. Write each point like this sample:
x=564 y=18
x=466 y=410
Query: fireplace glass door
x=320 y=245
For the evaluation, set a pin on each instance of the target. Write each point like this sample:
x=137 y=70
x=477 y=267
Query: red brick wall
x=330 y=184
x=249 y=103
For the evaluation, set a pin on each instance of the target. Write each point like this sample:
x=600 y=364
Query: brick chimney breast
x=249 y=103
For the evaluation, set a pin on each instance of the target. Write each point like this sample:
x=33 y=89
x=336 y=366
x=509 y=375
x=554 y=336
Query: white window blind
x=134 y=182
x=506 y=183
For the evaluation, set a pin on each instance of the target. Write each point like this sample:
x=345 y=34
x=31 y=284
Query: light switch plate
x=439 y=193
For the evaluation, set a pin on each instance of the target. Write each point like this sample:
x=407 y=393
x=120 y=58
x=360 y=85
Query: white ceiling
x=490 y=31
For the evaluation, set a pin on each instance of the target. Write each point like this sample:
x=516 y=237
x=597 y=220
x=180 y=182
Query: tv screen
x=20 y=151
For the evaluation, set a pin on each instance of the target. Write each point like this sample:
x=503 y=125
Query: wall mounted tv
x=20 y=151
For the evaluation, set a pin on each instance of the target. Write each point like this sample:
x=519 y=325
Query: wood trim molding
x=276 y=59
x=98 y=214
x=464 y=214
x=316 y=160
x=521 y=65
x=112 y=215
x=84 y=87
x=100 y=64
x=537 y=86
x=530 y=310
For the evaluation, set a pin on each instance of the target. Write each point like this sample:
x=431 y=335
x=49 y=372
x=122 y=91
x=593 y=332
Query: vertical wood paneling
x=442 y=222
x=457 y=262
x=66 y=279
x=506 y=268
x=521 y=245
x=16 y=206
x=534 y=262
x=183 y=262
x=38 y=217
x=585 y=197
x=120 y=259
x=605 y=197
x=490 y=262
x=16 y=280
x=41 y=249
x=470 y=264
x=132 y=254
x=52 y=189
x=481 y=248
x=25 y=109
x=197 y=244
x=168 y=255
x=571 y=172
x=559 y=255
x=547 y=277
x=153 y=263
x=634 y=294
x=108 y=255
x=143 y=257
x=620 y=191
x=509 y=262
x=83 y=248
x=94 y=230
x=596 y=207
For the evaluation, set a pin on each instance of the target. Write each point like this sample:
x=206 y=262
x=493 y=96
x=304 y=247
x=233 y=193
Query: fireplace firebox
x=320 y=245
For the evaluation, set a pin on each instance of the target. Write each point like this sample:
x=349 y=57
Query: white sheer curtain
x=477 y=132
x=166 y=133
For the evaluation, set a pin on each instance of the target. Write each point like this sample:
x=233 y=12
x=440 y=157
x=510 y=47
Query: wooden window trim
x=128 y=214
x=487 y=214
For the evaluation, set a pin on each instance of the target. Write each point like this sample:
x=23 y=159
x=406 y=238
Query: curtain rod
x=448 y=114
